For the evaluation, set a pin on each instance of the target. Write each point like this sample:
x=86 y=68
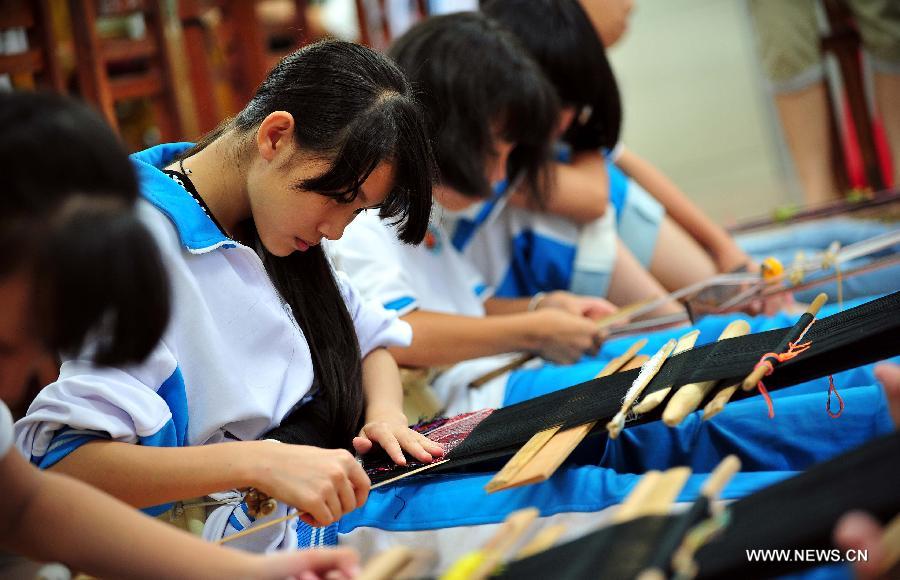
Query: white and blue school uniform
x=6 y=429
x=231 y=365
x=522 y=252
x=432 y=276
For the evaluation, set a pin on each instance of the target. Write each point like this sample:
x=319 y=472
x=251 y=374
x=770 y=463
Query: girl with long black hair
x=74 y=257
x=266 y=341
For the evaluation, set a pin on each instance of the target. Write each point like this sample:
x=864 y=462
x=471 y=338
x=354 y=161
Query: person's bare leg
x=678 y=260
x=804 y=115
x=887 y=98
x=631 y=283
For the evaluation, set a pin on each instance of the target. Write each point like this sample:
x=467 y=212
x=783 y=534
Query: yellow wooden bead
x=772 y=268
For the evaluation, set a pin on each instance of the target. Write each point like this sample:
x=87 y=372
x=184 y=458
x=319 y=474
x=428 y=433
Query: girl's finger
x=362 y=444
x=389 y=443
x=412 y=445
x=347 y=496
x=432 y=447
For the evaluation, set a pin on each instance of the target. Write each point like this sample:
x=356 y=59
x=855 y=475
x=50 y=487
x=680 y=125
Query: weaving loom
x=859 y=336
x=867 y=479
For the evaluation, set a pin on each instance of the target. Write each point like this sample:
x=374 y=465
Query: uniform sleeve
x=6 y=430
x=370 y=254
x=376 y=327
x=143 y=404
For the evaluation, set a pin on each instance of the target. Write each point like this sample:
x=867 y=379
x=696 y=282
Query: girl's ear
x=566 y=117
x=275 y=134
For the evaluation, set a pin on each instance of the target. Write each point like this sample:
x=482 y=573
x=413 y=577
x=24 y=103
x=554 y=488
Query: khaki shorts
x=788 y=38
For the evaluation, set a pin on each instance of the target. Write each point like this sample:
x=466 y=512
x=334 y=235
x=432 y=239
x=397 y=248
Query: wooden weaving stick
x=648 y=371
x=511 y=366
x=635 y=363
x=544 y=540
x=388 y=564
x=482 y=563
x=721 y=398
x=674 y=537
x=652 y=400
x=688 y=397
x=296 y=514
x=549 y=457
x=718 y=402
x=638 y=495
x=891 y=542
x=527 y=452
x=602 y=324
x=794 y=334
x=653 y=495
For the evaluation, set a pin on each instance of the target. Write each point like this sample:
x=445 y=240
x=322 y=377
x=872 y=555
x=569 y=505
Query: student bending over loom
x=266 y=341
x=667 y=232
x=75 y=256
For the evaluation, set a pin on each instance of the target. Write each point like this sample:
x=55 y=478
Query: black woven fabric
x=862 y=335
x=615 y=552
x=797 y=513
x=801 y=512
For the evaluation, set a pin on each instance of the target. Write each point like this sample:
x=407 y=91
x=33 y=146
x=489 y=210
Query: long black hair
x=355 y=107
x=476 y=79
x=67 y=219
x=560 y=37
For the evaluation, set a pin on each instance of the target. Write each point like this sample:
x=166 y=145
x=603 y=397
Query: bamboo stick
x=652 y=400
x=688 y=397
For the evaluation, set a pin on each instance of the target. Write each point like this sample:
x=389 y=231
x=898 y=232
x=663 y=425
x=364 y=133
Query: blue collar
x=197 y=232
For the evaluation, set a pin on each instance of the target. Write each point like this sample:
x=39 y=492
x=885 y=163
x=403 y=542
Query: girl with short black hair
x=667 y=234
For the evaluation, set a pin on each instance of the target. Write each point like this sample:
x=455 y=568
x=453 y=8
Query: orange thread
x=831 y=388
x=793 y=350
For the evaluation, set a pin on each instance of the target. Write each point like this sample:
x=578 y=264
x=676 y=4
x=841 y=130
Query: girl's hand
x=324 y=484
x=395 y=437
x=731 y=257
x=315 y=564
x=586 y=306
x=562 y=337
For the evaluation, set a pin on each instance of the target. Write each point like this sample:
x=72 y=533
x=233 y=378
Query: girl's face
x=609 y=17
x=19 y=351
x=290 y=219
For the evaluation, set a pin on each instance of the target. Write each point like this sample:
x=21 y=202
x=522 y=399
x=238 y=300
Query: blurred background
x=695 y=97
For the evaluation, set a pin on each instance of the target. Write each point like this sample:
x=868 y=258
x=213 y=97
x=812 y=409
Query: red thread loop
x=766 y=360
x=832 y=388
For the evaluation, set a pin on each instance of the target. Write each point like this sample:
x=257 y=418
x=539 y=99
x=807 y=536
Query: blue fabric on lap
x=434 y=502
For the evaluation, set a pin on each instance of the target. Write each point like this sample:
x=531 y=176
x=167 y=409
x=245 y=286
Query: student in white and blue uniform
x=521 y=251
x=569 y=50
x=71 y=237
x=432 y=283
x=265 y=339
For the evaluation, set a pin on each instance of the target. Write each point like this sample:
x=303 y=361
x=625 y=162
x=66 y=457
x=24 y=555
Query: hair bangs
x=561 y=38
x=468 y=100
